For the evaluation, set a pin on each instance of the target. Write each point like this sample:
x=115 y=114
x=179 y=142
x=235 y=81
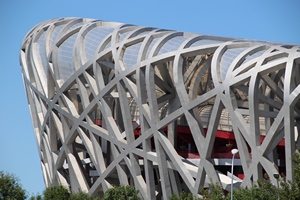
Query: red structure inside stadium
x=224 y=143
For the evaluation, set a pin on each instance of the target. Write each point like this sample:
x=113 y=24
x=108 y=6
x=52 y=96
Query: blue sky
x=268 y=20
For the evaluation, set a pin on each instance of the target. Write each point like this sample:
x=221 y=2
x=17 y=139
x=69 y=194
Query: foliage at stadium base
x=261 y=190
x=10 y=187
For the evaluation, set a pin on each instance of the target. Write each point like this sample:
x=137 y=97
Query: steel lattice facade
x=109 y=102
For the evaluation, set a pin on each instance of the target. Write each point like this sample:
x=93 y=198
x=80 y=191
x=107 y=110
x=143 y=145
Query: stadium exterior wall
x=108 y=102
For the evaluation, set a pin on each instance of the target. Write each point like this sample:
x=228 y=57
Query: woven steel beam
x=106 y=100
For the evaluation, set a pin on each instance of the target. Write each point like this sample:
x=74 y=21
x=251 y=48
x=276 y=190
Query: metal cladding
x=107 y=101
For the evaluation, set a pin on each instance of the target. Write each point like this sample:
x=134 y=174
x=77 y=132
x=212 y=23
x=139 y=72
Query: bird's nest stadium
x=119 y=104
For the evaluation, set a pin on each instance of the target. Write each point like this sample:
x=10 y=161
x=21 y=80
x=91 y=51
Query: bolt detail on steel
x=118 y=104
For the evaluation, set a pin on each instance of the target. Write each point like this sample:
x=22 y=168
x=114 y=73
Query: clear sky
x=268 y=20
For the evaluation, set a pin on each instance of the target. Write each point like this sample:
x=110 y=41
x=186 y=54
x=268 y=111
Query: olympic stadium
x=161 y=110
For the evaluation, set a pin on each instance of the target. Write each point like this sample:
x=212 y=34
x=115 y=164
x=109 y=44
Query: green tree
x=62 y=193
x=121 y=193
x=82 y=196
x=291 y=190
x=215 y=192
x=56 y=193
x=10 y=188
x=37 y=197
x=183 y=196
x=263 y=190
